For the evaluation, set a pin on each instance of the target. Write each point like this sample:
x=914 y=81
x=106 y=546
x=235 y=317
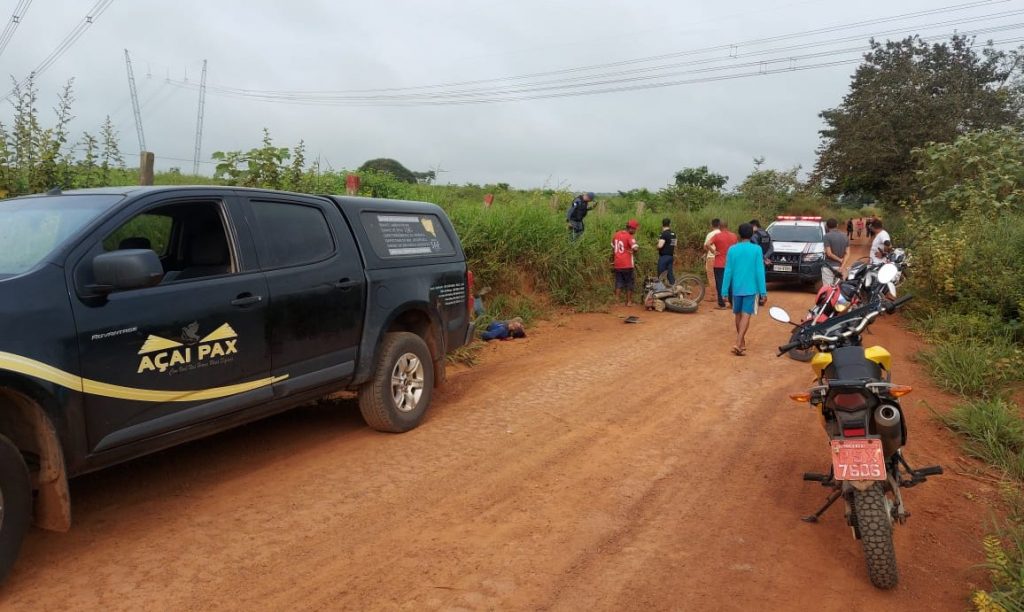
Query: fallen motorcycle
x=683 y=296
x=866 y=428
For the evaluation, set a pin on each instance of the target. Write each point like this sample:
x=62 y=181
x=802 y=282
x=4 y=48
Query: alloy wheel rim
x=407 y=382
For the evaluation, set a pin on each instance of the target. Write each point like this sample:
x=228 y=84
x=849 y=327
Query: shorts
x=624 y=279
x=744 y=303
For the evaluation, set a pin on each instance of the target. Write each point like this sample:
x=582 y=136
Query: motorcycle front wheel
x=800 y=354
x=874 y=522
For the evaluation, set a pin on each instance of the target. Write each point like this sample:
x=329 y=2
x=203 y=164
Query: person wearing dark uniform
x=667 y=250
x=577 y=211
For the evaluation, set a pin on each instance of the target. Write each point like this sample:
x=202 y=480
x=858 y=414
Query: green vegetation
x=994 y=432
x=905 y=95
x=968 y=218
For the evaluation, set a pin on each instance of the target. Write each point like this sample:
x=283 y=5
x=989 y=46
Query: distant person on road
x=743 y=283
x=849 y=228
x=709 y=259
x=837 y=247
x=722 y=241
x=623 y=246
x=860 y=226
x=878 y=249
x=579 y=208
x=762 y=239
x=667 y=250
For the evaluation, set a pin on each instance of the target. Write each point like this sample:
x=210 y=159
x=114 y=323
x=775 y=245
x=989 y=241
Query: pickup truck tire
x=398 y=395
x=15 y=504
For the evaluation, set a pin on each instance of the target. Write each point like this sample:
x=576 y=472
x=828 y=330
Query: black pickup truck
x=134 y=319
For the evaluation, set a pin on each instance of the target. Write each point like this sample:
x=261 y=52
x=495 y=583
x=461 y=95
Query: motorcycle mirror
x=887 y=273
x=779 y=314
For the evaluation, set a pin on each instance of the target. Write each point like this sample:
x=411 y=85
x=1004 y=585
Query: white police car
x=798 y=249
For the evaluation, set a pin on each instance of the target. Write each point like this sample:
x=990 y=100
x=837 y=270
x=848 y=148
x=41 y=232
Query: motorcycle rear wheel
x=874 y=523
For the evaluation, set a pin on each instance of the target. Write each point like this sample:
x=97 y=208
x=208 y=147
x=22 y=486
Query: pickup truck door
x=317 y=289
x=186 y=350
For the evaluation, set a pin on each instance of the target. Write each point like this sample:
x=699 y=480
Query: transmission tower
x=135 y=101
x=199 y=121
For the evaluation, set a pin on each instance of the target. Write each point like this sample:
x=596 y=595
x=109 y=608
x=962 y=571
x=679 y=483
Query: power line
x=616 y=82
x=12 y=25
x=631 y=62
x=69 y=40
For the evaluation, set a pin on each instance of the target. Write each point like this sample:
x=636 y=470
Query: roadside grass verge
x=973 y=367
x=993 y=431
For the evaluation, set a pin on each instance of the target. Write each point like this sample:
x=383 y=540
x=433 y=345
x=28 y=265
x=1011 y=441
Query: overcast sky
x=602 y=142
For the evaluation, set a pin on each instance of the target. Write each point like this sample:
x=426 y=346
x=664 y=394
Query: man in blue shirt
x=744 y=281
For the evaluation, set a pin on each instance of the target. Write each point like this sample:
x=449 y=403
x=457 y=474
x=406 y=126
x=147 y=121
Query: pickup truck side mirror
x=126 y=269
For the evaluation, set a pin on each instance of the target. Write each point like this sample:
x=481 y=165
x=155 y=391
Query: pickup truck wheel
x=398 y=395
x=15 y=504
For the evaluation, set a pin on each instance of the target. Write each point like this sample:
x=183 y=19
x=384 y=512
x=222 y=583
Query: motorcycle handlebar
x=785 y=348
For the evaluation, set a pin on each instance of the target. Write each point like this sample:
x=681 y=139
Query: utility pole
x=199 y=121
x=135 y=101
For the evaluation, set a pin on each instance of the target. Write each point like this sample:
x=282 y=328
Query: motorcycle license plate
x=779 y=268
x=858 y=459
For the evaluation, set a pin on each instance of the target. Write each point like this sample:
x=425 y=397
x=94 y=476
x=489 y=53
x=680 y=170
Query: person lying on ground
x=504 y=330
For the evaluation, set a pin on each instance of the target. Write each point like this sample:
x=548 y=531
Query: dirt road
x=591 y=466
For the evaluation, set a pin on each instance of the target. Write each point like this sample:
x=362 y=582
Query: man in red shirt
x=722 y=241
x=623 y=247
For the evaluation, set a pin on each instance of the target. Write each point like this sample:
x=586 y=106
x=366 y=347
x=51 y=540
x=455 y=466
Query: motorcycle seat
x=849 y=363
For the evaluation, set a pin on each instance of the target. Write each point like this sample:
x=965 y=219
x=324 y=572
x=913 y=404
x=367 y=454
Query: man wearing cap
x=577 y=211
x=623 y=247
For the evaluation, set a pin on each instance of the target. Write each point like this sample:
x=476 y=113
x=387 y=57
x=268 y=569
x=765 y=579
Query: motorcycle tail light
x=849 y=401
x=854 y=431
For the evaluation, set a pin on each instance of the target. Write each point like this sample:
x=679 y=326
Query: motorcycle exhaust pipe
x=887 y=424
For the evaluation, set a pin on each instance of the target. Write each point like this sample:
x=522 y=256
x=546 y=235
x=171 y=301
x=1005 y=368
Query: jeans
x=719 y=278
x=665 y=263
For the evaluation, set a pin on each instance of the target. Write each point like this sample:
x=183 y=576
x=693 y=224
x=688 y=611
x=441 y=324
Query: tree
x=905 y=95
x=390 y=166
x=701 y=177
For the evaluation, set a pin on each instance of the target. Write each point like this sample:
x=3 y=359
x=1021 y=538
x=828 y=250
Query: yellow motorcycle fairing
x=878 y=354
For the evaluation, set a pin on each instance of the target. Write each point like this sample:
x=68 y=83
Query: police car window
x=146 y=231
x=795 y=233
x=291 y=234
x=406 y=234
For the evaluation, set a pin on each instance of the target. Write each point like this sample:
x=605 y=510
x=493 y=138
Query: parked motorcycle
x=859 y=287
x=865 y=425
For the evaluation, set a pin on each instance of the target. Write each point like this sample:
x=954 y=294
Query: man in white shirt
x=878 y=251
x=710 y=260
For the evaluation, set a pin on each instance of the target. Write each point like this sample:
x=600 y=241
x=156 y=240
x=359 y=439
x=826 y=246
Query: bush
x=974 y=367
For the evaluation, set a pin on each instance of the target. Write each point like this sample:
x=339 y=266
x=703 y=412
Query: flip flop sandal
x=736 y=351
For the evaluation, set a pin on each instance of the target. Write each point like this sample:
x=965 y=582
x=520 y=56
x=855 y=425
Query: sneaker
x=721 y=308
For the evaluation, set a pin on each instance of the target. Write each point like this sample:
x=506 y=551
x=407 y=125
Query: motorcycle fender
x=820 y=361
x=880 y=356
x=861 y=485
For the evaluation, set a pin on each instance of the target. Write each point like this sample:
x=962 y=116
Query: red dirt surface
x=591 y=466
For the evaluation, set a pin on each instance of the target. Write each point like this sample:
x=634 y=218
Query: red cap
x=632 y=224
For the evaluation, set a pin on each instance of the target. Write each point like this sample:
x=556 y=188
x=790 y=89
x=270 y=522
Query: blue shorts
x=744 y=303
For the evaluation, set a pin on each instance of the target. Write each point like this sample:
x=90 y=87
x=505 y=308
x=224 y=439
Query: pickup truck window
x=30 y=228
x=146 y=231
x=291 y=234
x=188 y=236
x=406 y=235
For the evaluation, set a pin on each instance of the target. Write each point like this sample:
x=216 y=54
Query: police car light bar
x=796 y=218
